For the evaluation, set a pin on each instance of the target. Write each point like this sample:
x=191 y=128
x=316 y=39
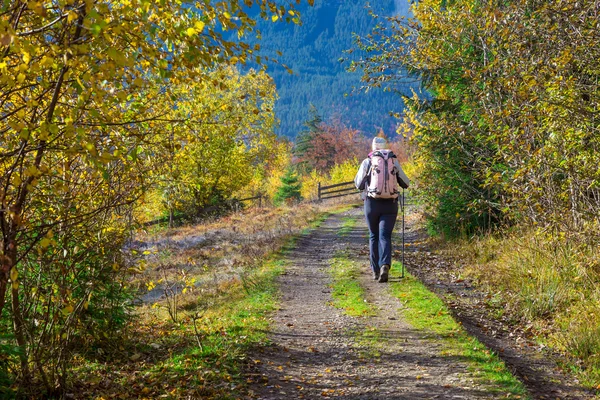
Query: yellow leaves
x=72 y=16
x=37 y=7
x=21 y=77
x=68 y=309
x=190 y=31
x=199 y=26
x=47 y=61
x=14 y=274
x=25 y=134
x=45 y=243
x=89 y=147
x=33 y=171
x=274 y=18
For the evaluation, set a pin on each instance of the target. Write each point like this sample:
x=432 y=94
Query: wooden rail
x=325 y=192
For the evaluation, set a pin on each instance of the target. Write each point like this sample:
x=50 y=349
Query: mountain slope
x=312 y=50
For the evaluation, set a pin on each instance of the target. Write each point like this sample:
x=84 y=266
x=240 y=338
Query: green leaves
x=513 y=87
x=86 y=108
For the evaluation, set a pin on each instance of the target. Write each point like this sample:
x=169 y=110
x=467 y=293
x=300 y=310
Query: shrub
x=289 y=190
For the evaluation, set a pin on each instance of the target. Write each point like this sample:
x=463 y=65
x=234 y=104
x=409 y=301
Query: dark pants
x=381 y=217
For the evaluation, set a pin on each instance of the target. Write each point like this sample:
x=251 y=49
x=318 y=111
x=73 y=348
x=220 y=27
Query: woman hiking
x=378 y=178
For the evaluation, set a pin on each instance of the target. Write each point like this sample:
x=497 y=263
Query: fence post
x=319 y=191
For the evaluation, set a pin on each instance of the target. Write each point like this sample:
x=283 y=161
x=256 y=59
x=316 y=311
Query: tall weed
x=548 y=282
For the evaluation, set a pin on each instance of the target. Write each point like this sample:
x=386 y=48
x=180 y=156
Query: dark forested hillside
x=313 y=51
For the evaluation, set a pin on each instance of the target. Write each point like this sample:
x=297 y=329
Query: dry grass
x=204 y=257
x=549 y=283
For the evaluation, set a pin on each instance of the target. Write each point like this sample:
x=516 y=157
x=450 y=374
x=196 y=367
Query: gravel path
x=318 y=352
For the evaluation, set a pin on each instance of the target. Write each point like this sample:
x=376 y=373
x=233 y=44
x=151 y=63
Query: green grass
x=347 y=293
x=317 y=222
x=346 y=290
x=172 y=361
x=348 y=224
x=369 y=343
x=425 y=311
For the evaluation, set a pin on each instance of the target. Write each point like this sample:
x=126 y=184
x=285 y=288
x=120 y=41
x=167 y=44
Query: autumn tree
x=87 y=95
x=508 y=129
x=326 y=144
x=228 y=135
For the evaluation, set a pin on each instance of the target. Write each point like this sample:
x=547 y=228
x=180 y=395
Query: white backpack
x=383 y=183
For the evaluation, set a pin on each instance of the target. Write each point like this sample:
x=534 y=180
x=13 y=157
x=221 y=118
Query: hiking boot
x=385 y=270
x=376 y=275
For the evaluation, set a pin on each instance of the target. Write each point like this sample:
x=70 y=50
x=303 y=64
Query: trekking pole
x=403 y=204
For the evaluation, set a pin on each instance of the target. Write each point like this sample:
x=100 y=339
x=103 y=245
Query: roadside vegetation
x=545 y=284
x=209 y=290
x=507 y=152
x=202 y=354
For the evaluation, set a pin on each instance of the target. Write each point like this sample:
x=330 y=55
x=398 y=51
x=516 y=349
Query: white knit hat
x=379 y=143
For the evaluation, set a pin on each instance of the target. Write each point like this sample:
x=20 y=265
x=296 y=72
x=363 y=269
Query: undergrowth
x=202 y=356
x=547 y=283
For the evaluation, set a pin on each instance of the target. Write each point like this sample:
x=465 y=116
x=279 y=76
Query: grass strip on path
x=347 y=225
x=427 y=312
x=347 y=292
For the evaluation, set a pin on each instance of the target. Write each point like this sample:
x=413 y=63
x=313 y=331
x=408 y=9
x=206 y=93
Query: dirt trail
x=317 y=351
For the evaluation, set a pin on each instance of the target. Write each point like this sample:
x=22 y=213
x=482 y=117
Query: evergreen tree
x=305 y=139
x=290 y=188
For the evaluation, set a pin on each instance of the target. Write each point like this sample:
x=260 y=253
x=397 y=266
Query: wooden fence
x=341 y=189
x=348 y=188
x=261 y=199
